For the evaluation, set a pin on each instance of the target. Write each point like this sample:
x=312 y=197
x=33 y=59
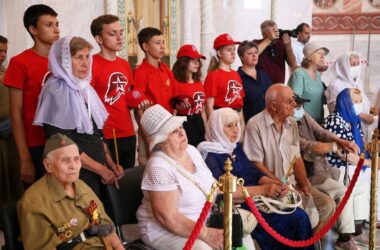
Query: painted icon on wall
x=136 y=15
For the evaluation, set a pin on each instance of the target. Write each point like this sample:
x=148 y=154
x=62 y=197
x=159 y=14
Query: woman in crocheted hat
x=175 y=185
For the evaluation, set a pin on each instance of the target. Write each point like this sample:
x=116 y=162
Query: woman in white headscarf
x=70 y=106
x=347 y=70
x=222 y=135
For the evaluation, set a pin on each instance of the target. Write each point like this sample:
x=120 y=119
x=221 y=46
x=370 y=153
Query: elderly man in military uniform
x=60 y=211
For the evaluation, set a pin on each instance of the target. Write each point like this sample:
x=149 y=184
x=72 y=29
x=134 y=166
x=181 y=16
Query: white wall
x=75 y=17
x=240 y=18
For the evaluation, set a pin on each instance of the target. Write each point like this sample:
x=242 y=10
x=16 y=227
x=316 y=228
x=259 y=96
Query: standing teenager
x=113 y=81
x=223 y=85
x=187 y=71
x=153 y=78
x=24 y=77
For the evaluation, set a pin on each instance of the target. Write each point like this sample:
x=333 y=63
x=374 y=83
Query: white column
x=110 y=7
x=275 y=10
x=207 y=31
x=187 y=27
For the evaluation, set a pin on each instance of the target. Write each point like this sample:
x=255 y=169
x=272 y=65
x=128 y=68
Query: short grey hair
x=244 y=46
x=267 y=23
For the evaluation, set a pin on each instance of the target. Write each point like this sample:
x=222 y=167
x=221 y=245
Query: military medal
x=68 y=234
x=63 y=232
x=74 y=222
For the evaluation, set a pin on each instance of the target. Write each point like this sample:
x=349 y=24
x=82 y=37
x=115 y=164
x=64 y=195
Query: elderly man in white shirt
x=271 y=140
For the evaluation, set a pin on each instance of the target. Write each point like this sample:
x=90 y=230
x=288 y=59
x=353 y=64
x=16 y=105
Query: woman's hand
x=184 y=104
x=213 y=237
x=274 y=190
x=108 y=176
x=118 y=170
x=367 y=118
x=144 y=104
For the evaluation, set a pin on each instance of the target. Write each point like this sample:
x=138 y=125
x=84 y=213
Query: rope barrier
x=202 y=217
x=319 y=234
x=198 y=226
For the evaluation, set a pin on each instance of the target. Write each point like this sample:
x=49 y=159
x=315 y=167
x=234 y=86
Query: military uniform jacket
x=48 y=216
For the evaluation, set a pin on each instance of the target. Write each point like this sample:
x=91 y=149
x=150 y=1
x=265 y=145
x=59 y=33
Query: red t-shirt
x=156 y=83
x=195 y=92
x=226 y=87
x=272 y=61
x=113 y=81
x=27 y=71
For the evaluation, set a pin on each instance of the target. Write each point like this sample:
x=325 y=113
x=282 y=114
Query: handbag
x=248 y=219
x=285 y=205
x=216 y=221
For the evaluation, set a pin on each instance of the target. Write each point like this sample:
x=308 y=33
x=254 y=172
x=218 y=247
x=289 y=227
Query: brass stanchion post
x=374 y=168
x=228 y=187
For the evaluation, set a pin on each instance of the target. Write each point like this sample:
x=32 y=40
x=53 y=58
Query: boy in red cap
x=223 y=85
x=113 y=81
x=187 y=71
x=24 y=77
x=153 y=78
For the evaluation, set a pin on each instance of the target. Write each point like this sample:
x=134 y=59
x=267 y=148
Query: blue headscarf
x=345 y=108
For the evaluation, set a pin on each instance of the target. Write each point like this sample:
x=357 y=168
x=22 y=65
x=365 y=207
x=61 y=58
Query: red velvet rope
x=198 y=226
x=319 y=234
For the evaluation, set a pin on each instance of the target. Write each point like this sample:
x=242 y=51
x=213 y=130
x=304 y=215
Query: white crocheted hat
x=158 y=123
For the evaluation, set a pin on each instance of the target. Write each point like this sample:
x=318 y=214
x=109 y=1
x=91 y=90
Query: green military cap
x=55 y=142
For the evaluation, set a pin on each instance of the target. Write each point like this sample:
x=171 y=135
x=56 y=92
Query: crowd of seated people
x=71 y=117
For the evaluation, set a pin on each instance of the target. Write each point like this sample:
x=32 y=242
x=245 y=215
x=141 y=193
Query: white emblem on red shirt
x=233 y=91
x=116 y=87
x=199 y=99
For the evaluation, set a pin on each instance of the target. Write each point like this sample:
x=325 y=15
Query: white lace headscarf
x=343 y=79
x=217 y=142
x=66 y=101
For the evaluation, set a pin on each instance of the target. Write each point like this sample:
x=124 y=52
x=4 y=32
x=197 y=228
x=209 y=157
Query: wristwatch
x=334 y=147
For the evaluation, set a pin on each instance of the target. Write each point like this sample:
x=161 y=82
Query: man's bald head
x=276 y=92
x=279 y=100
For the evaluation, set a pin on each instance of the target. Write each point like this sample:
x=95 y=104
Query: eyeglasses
x=292 y=100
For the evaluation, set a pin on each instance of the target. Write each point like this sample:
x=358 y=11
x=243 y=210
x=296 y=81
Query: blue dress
x=295 y=226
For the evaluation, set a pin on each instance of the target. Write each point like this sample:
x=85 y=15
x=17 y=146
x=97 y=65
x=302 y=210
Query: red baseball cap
x=223 y=40
x=189 y=51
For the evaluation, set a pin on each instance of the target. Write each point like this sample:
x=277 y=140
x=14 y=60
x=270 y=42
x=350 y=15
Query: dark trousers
x=126 y=148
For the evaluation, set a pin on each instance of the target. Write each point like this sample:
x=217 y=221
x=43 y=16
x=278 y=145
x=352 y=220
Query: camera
x=291 y=33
